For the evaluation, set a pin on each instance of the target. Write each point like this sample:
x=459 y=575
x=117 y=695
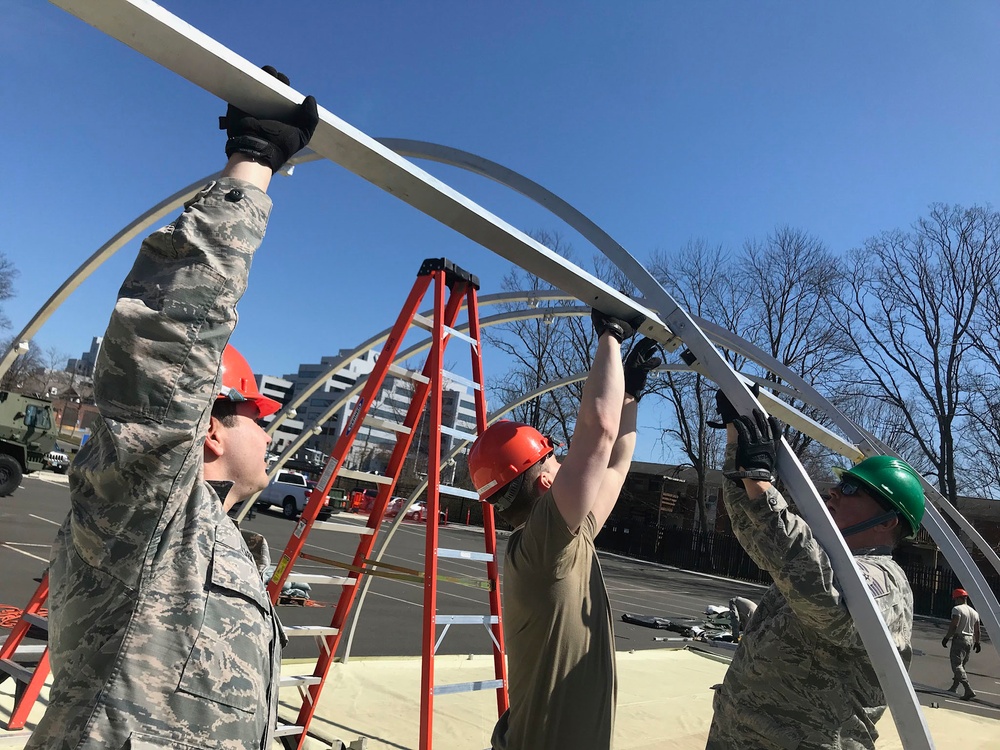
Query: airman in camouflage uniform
x=161 y=633
x=802 y=677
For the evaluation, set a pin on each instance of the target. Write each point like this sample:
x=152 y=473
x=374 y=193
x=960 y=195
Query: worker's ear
x=215 y=439
x=891 y=523
x=545 y=481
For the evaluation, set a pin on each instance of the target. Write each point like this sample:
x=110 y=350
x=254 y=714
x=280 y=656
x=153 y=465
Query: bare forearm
x=604 y=391
x=621 y=454
x=242 y=167
x=582 y=483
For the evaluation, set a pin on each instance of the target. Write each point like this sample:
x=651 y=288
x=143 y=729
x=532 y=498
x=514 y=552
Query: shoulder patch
x=875 y=578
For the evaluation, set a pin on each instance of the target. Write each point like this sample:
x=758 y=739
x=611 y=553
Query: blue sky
x=663 y=121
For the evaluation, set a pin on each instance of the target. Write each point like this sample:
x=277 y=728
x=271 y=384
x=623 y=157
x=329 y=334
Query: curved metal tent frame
x=164 y=38
x=865 y=443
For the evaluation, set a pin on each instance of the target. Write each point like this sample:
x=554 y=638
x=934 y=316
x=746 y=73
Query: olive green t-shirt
x=560 y=641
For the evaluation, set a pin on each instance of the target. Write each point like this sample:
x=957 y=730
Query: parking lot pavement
x=391 y=620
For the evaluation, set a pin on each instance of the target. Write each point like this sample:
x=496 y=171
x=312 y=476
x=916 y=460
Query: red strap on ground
x=10 y=615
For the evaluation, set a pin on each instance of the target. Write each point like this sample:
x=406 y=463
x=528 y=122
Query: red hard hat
x=239 y=384
x=959 y=592
x=502 y=453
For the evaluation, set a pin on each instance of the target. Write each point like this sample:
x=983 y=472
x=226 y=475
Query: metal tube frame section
x=161 y=36
x=871 y=626
x=492 y=299
x=164 y=38
x=347 y=394
x=955 y=552
x=130 y=231
x=105 y=251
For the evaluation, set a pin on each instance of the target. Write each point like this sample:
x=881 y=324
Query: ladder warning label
x=279 y=570
x=354 y=414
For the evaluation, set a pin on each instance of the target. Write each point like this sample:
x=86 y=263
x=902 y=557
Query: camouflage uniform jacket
x=161 y=632
x=801 y=677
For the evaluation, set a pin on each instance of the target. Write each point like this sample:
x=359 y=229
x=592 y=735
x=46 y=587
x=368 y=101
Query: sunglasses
x=849 y=488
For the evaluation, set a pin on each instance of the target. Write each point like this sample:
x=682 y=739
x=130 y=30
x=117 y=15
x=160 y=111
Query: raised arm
x=638 y=364
x=577 y=487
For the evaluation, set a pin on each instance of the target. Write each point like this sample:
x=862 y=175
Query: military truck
x=27 y=433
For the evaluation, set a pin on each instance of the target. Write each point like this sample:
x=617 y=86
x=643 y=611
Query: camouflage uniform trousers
x=961 y=648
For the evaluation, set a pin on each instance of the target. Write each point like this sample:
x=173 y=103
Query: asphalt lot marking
x=22 y=552
x=54 y=523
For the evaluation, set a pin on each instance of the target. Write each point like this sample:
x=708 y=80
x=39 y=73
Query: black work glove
x=620 y=329
x=727 y=412
x=758 y=440
x=976 y=647
x=271 y=142
x=638 y=364
x=944 y=641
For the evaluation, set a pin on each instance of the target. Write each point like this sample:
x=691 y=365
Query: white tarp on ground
x=664 y=701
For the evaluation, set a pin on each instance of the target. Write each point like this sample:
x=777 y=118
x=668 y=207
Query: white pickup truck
x=290 y=492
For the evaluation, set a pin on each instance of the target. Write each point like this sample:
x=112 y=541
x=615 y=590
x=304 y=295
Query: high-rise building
x=84 y=365
x=373 y=444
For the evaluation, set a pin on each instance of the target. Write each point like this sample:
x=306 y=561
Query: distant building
x=374 y=442
x=85 y=364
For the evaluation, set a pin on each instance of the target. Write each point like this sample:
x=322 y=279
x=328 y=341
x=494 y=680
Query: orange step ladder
x=29 y=682
x=435 y=275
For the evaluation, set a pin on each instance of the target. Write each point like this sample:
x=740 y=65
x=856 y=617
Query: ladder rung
x=16 y=671
x=422 y=321
x=36 y=620
x=468 y=687
x=294 y=630
x=299 y=680
x=287 y=730
x=460 y=434
x=364 y=476
x=457 y=492
x=465 y=381
x=461 y=335
x=316 y=578
x=28 y=652
x=463 y=554
x=401 y=372
x=345 y=527
x=466 y=620
x=385 y=424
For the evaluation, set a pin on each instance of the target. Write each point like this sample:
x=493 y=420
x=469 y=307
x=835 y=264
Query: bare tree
x=908 y=305
x=542 y=349
x=697 y=281
x=980 y=446
x=772 y=294
x=8 y=274
x=786 y=280
x=26 y=372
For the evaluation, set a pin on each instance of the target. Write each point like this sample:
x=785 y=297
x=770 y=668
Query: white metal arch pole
x=346 y=395
x=492 y=299
x=161 y=36
x=130 y=231
x=955 y=552
x=105 y=251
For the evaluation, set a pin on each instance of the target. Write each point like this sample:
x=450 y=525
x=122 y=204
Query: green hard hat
x=893 y=481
